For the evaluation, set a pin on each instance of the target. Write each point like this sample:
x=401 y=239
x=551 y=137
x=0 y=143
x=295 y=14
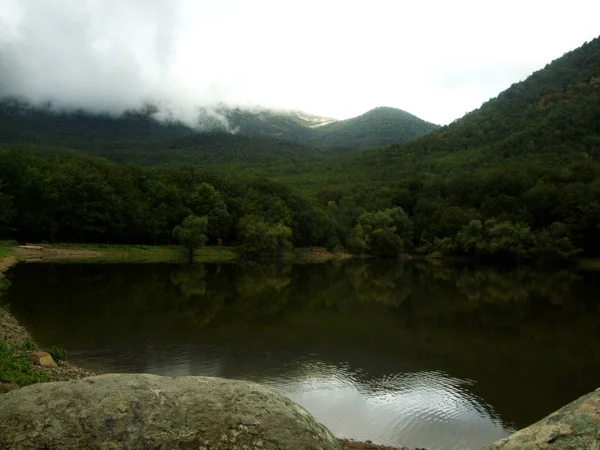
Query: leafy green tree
x=376 y=232
x=470 y=239
x=508 y=240
x=439 y=247
x=259 y=237
x=191 y=234
x=554 y=243
x=358 y=241
x=403 y=224
x=207 y=201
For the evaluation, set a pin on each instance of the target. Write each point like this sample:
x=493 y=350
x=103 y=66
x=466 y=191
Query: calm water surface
x=435 y=356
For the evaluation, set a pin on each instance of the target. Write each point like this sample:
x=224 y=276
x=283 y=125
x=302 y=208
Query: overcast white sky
x=437 y=59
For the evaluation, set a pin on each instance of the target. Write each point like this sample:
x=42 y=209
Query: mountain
x=377 y=128
x=136 y=137
x=530 y=156
x=223 y=135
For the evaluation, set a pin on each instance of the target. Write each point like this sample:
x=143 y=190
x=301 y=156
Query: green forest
x=517 y=178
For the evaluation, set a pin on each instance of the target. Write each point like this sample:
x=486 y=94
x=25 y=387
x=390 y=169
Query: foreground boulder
x=575 y=426
x=149 y=411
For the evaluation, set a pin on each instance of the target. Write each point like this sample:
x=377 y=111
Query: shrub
x=58 y=353
x=29 y=345
x=15 y=367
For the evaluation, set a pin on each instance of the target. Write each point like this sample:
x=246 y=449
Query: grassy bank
x=7 y=248
x=15 y=367
x=101 y=253
x=139 y=253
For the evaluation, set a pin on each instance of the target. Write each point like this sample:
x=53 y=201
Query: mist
x=333 y=58
x=100 y=56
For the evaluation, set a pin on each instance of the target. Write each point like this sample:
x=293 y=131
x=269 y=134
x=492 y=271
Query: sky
x=437 y=59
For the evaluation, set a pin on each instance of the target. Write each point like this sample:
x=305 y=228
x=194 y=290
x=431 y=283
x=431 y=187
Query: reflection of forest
x=518 y=332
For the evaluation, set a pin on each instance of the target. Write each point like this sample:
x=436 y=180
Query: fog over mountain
x=334 y=58
x=98 y=56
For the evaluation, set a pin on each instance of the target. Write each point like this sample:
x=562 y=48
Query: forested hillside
x=135 y=137
x=527 y=159
x=516 y=178
x=376 y=128
x=373 y=129
x=224 y=135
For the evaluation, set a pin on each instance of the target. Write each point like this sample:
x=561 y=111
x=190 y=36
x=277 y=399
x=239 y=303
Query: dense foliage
x=191 y=234
x=87 y=200
x=259 y=237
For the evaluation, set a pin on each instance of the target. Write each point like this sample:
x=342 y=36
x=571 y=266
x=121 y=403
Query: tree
x=260 y=237
x=554 y=244
x=382 y=233
x=207 y=201
x=191 y=234
x=403 y=224
x=507 y=239
x=471 y=237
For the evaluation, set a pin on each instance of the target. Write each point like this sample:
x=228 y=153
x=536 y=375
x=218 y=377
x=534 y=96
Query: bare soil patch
x=37 y=253
x=5 y=263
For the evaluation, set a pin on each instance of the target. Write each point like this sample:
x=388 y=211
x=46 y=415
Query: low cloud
x=101 y=56
x=335 y=58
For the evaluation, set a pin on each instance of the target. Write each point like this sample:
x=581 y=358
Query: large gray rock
x=575 y=426
x=152 y=412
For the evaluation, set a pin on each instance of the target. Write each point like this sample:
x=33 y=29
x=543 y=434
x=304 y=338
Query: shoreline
x=16 y=335
x=99 y=253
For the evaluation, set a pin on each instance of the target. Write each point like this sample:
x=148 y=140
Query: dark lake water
x=418 y=354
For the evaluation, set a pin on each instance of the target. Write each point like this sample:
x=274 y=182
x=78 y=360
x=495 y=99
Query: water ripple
x=418 y=409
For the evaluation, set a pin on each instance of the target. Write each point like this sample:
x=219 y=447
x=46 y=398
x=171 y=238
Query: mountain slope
x=377 y=128
x=529 y=156
x=134 y=137
x=224 y=135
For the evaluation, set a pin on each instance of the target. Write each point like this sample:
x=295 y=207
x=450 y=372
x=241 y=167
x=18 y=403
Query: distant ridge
x=223 y=135
x=376 y=128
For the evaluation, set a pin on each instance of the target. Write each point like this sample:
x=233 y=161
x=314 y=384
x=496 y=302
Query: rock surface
x=575 y=426
x=42 y=359
x=149 y=411
x=6 y=387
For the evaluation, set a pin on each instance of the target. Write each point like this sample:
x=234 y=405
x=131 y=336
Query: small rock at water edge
x=42 y=359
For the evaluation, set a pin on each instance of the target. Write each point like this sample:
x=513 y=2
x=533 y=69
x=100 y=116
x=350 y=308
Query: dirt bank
x=32 y=253
x=6 y=263
x=318 y=254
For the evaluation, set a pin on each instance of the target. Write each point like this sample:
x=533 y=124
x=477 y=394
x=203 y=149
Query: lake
x=418 y=354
